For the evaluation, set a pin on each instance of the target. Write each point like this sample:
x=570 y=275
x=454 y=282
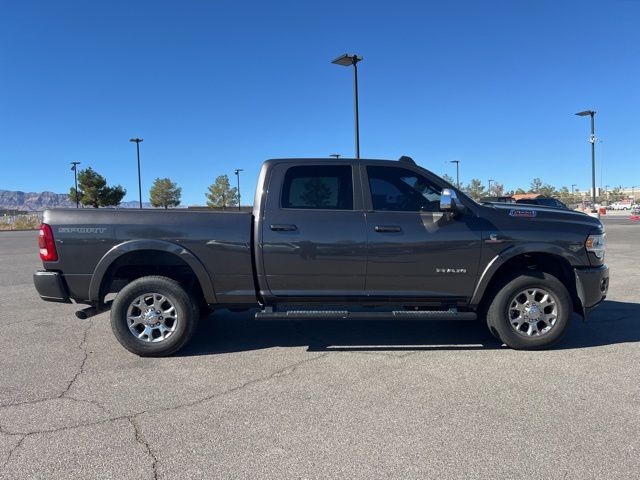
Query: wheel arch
x=114 y=258
x=503 y=266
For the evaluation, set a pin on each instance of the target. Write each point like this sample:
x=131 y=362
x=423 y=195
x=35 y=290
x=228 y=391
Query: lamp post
x=592 y=140
x=237 y=172
x=606 y=193
x=490 y=180
x=346 y=60
x=74 y=167
x=137 y=142
x=335 y=155
x=573 y=195
x=457 y=162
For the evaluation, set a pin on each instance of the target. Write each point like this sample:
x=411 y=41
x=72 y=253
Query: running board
x=346 y=315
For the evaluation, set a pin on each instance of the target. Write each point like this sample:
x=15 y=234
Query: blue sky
x=217 y=85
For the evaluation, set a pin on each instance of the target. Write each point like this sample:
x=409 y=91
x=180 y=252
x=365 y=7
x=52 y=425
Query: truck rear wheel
x=530 y=311
x=153 y=316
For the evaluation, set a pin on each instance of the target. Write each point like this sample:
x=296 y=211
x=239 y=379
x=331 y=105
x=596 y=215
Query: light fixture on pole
x=335 y=155
x=74 y=167
x=592 y=141
x=237 y=172
x=457 y=162
x=347 y=60
x=137 y=142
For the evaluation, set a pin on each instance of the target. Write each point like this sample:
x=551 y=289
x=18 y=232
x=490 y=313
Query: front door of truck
x=414 y=249
x=314 y=241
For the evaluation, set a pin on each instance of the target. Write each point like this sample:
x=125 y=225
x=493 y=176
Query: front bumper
x=592 y=285
x=50 y=286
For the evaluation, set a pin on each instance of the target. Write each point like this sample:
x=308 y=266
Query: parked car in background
x=545 y=201
x=502 y=199
x=623 y=205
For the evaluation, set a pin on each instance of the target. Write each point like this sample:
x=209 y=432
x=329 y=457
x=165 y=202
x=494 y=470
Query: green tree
x=548 y=190
x=220 y=193
x=165 y=193
x=316 y=193
x=520 y=191
x=475 y=189
x=497 y=190
x=536 y=184
x=449 y=178
x=94 y=191
x=564 y=195
x=616 y=195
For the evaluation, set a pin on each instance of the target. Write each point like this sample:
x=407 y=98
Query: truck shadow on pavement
x=225 y=332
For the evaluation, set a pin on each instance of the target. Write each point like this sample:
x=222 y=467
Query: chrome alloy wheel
x=152 y=317
x=533 y=312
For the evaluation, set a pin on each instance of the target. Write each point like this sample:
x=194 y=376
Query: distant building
x=528 y=196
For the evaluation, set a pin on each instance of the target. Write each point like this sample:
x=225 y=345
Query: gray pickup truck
x=329 y=239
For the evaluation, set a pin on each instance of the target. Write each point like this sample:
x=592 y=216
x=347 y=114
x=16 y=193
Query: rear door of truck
x=314 y=241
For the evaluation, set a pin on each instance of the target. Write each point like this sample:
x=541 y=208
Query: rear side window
x=323 y=187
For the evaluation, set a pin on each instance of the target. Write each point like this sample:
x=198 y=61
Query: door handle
x=387 y=228
x=283 y=227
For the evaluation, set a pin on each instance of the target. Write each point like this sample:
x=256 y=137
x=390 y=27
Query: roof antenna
x=406 y=159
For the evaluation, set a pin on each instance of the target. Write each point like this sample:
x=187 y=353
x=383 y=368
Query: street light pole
x=573 y=195
x=237 y=172
x=457 y=162
x=490 y=180
x=74 y=167
x=592 y=140
x=347 y=60
x=137 y=142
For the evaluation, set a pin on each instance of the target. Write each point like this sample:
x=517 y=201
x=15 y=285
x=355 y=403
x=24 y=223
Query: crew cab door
x=414 y=250
x=313 y=232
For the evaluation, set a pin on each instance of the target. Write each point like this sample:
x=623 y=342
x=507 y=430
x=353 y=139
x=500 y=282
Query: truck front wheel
x=531 y=311
x=153 y=316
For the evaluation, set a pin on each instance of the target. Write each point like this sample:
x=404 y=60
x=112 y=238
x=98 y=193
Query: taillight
x=47 y=246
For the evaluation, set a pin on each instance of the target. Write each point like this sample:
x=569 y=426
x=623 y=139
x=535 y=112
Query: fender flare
x=516 y=250
x=148 y=244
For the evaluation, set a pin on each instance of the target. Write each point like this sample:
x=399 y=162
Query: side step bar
x=346 y=315
x=93 y=311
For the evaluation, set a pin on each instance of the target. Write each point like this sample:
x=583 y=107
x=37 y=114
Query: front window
x=401 y=190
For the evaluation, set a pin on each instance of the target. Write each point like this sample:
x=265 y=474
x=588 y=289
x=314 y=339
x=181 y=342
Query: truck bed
x=221 y=241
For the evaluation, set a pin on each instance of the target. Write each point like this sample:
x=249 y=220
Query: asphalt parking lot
x=318 y=400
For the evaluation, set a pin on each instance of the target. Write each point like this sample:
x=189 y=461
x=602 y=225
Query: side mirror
x=449 y=203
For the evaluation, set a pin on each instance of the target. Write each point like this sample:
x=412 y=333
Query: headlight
x=596 y=244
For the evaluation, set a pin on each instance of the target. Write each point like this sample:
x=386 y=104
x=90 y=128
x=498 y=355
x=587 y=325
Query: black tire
x=499 y=313
x=186 y=318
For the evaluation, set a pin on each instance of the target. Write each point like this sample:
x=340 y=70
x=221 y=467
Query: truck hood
x=539 y=213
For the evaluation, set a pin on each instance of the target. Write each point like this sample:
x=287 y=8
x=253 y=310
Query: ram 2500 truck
x=329 y=239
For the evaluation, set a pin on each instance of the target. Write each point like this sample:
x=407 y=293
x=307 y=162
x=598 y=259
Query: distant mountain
x=38 y=201
x=33 y=201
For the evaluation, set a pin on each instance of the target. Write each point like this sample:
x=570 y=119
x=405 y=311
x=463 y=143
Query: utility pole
x=348 y=60
x=592 y=141
x=457 y=162
x=74 y=167
x=137 y=142
x=237 y=172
